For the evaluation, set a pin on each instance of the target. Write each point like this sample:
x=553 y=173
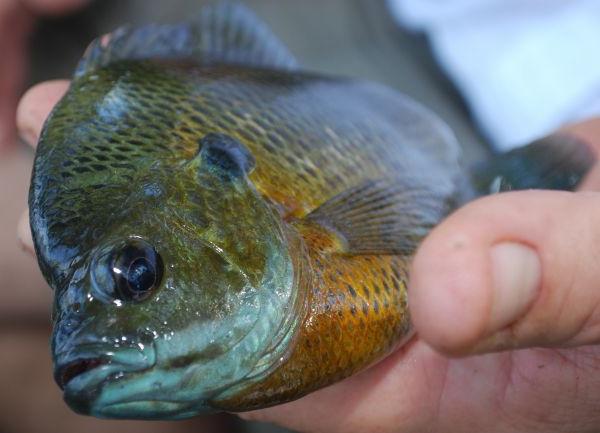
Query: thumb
x=513 y=270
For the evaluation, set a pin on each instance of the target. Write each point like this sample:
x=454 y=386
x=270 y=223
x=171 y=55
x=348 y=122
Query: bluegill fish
x=224 y=231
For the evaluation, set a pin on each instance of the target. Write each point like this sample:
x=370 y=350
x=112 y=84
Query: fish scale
x=368 y=322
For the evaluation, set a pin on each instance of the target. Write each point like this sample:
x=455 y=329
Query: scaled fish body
x=222 y=230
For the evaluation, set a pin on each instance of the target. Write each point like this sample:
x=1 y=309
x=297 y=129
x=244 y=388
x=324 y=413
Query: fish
x=225 y=231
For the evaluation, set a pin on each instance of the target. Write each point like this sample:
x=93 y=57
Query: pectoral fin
x=382 y=216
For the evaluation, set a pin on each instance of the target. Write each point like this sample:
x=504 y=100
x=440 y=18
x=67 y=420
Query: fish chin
x=112 y=392
x=151 y=410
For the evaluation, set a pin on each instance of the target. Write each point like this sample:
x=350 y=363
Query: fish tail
x=557 y=162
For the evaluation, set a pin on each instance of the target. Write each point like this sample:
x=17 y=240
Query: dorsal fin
x=222 y=33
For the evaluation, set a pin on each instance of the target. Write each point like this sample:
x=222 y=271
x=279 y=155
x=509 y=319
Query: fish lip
x=66 y=372
x=70 y=364
x=83 y=371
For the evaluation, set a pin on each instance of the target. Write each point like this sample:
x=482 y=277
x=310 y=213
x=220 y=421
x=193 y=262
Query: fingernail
x=24 y=233
x=516 y=273
x=28 y=136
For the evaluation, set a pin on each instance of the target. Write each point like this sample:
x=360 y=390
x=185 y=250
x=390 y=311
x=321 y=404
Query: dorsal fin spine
x=223 y=33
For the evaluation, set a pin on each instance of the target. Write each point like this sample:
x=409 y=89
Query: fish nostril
x=146 y=337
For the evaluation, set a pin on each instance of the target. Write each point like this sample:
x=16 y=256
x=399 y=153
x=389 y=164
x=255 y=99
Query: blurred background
x=485 y=66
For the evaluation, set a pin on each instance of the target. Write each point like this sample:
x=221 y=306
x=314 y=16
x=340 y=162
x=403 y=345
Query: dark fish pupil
x=137 y=270
x=141 y=275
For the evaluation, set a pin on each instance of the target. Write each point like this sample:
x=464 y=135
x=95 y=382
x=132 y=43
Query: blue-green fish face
x=176 y=286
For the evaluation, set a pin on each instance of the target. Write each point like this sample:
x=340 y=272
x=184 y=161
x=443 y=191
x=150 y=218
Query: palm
x=417 y=390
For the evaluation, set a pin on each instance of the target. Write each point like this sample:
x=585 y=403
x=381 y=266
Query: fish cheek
x=201 y=286
x=229 y=215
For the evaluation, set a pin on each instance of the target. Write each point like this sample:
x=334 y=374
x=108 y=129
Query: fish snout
x=82 y=367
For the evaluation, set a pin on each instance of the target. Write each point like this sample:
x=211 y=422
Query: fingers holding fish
x=180 y=208
x=33 y=109
x=24 y=233
x=512 y=270
x=35 y=106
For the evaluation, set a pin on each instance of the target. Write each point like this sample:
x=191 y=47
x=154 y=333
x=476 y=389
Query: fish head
x=174 y=285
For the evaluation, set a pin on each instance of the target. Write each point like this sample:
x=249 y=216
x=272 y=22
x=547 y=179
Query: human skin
x=16 y=23
x=20 y=298
x=514 y=270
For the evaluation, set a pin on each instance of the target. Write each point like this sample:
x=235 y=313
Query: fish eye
x=137 y=270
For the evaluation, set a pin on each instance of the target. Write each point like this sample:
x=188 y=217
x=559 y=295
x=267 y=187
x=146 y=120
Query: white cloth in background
x=525 y=67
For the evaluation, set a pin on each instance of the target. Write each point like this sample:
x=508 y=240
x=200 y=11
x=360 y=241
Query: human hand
x=16 y=22
x=540 y=293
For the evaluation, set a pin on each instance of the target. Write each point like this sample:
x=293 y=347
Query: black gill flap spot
x=226 y=154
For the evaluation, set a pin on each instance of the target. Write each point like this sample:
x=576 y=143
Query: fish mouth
x=84 y=371
x=64 y=374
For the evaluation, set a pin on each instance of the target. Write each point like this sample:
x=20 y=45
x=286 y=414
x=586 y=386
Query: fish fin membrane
x=556 y=162
x=382 y=216
x=223 y=33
